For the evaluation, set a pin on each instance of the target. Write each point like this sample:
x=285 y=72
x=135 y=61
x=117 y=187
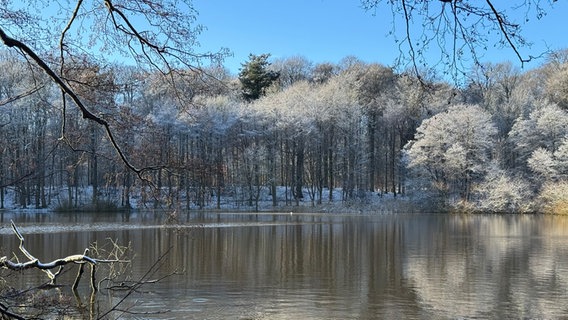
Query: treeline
x=496 y=143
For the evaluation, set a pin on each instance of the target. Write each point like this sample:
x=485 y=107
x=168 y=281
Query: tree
x=501 y=192
x=255 y=76
x=323 y=72
x=506 y=94
x=554 y=197
x=551 y=171
x=557 y=85
x=159 y=35
x=292 y=70
x=550 y=166
x=452 y=150
x=293 y=106
x=546 y=127
x=459 y=31
x=375 y=84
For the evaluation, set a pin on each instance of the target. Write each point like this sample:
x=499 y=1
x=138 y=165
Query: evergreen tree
x=255 y=76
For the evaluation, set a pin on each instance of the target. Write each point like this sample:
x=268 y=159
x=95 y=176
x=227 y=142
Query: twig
x=409 y=40
x=141 y=282
x=21 y=95
x=501 y=24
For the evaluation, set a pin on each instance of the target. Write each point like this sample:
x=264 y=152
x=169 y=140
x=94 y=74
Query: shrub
x=500 y=193
x=554 y=197
x=99 y=206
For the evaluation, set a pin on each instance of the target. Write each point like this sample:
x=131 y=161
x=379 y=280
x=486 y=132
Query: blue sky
x=329 y=30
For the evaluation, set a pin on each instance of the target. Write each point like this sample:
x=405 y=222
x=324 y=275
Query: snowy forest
x=287 y=132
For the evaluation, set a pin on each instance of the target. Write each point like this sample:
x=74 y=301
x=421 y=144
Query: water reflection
x=493 y=266
x=319 y=266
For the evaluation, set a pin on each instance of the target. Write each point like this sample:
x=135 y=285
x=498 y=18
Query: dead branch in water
x=47 y=267
x=18 y=304
x=33 y=263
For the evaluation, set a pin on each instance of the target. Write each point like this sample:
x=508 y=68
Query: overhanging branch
x=13 y=43
x=501 y=23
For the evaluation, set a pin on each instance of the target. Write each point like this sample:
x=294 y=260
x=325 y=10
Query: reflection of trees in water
x=348 y=268
x=399 y=266
x=479 y=266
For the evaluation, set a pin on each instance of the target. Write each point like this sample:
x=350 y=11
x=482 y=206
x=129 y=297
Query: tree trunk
x=371 y=145
x=299 y=176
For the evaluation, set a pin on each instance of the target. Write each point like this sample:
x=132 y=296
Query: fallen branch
x=17 y=266
x=83 y=260
x=46 y=267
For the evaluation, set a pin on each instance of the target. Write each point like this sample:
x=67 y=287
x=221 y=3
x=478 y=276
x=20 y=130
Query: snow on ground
x=236 y=200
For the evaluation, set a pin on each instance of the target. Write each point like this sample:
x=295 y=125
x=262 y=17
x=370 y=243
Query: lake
x=314 y=266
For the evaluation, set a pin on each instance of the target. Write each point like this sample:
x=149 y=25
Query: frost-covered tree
x=554 y=197
x=292 y=112
x=508 y=95
x=292 y=70
x=375 y=85
x=493 y=84
x=323 y=72
x=343 y=147
x=212 y=132
x=550 y=165
x=541 y=162
x=452 y=149
x=546 y=127
x=557 y=85
x=501 y=192
x=155 y=35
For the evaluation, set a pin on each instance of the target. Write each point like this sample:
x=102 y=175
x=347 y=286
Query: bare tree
x=292 y=70
x=160 y=35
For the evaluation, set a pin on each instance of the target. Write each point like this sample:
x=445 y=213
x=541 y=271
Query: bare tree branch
x=82 y=259
x=472 y=26
x=35 y=263
x=409 y=38
x=10 y=42
x=21 y=95
x=143 y=280
x=168 y=43
x=62 y=57
x=501 y=22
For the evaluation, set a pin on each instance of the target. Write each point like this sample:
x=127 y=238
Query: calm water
x=235 y=266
